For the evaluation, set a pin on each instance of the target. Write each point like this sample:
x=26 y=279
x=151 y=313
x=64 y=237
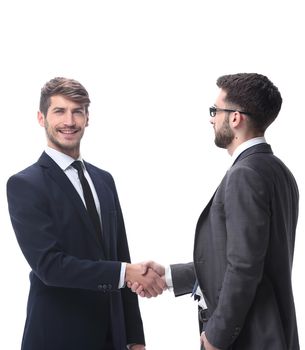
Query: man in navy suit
x=244 y=240
x=77 y=298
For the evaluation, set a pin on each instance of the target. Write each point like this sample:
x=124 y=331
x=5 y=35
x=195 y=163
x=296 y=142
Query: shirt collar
x=61 y=159
x=245 y=145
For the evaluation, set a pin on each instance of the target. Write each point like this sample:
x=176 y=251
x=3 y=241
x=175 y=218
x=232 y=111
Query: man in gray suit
x=244 y=241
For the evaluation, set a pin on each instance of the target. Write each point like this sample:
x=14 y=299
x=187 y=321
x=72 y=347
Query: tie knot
x=77 y=164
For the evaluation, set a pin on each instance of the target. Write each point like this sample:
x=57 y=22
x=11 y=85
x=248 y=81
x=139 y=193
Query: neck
x=239 y=139
x=73 y=152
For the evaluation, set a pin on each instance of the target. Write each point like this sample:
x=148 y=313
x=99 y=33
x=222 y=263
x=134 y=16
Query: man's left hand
x=206 y=344
x=137 y=347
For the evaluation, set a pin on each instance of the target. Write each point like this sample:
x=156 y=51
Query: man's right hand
x=150 y=268
x=145 y=279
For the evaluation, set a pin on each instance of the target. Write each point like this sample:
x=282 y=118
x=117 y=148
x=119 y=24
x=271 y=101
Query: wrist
x=136 y=347
x=128 y=274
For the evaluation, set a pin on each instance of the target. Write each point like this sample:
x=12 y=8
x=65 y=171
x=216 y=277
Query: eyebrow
x=57 y=108
x=80 y=108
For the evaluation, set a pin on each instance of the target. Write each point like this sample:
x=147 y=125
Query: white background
x=150 y=68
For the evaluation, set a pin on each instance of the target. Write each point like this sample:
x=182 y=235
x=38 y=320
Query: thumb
x=144 y=268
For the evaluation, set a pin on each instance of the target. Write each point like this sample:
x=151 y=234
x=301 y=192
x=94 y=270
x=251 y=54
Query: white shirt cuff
x=122 y=275
x=168 y=278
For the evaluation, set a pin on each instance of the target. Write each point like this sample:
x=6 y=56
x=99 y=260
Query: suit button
x=102 y=287
x=109 y=286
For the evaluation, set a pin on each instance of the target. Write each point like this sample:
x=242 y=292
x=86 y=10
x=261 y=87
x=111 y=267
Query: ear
x=87 y=122
x=41 y=119
x=236 y=119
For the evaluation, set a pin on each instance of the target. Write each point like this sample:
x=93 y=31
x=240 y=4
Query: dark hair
x=253 y=93
x=69 y=88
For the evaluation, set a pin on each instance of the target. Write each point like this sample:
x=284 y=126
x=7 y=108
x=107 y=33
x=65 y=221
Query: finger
x=156 y=267
x=146 y=294
x=164 y=283
x=157 y=289
x=139 y=290
x=154 y=290
x=135 y=286
x=142 y=294
x=161 y=283
x=158 y=283
x=150 y=284
x=144 y=268
x=151 y=291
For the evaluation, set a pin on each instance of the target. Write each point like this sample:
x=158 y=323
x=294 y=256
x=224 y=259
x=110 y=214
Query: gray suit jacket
x=243 y=255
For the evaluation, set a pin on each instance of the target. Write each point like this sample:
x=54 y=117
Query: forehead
x=60 y=101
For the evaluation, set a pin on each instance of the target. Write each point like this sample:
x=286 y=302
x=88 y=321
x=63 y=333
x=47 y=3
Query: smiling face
x=64 y=124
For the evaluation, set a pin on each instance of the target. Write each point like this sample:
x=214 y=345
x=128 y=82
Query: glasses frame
x=213 y=110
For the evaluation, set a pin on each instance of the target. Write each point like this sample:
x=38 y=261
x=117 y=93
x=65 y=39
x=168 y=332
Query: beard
x=61 y=145
x=224 y=136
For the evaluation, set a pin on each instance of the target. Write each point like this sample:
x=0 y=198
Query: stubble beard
x=224 y=136
x=67 y=148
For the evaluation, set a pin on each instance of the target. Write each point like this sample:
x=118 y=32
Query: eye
x=79 y=112
x=58 y=111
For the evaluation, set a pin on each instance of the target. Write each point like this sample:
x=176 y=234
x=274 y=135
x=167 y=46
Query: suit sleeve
x=133 y=320
x=38 y=236
x=184 y=278
x=247 y=212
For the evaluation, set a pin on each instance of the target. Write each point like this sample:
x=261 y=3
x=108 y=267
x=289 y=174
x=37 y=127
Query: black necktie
x=89 y=200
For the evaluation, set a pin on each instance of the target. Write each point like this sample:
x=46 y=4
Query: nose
x=69 y=119
x=212 y=120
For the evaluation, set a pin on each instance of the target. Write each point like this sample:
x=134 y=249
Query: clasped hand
x=146 y=279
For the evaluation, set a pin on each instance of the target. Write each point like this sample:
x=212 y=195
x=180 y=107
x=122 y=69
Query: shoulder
x=26 y=184
x=30 y=173
x=262 y=168
x=264 y=163
x=34 y=171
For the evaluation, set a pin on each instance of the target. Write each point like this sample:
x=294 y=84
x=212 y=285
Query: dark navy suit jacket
x=243 y=255
x=74 y=297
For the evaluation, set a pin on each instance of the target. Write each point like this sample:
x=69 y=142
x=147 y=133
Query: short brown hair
x=69 y=88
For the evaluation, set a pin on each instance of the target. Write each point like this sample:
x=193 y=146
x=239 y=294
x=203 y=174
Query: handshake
x=146 y=279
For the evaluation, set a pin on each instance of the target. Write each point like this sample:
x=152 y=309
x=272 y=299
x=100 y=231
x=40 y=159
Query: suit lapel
x=203 y=215
x=57 y=175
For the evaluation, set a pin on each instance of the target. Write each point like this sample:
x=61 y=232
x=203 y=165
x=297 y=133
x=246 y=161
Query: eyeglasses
x=214 y=110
